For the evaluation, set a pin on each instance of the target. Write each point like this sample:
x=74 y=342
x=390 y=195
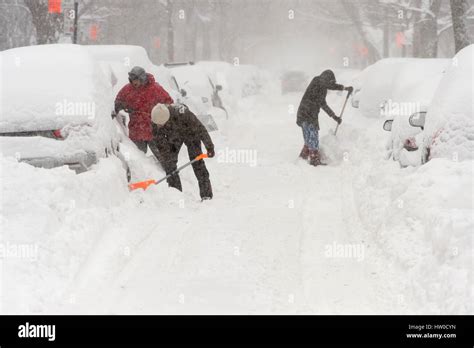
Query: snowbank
x=55 y=87
x=46 y=87
x=420 y=219
x=449 y=127
x=378 y=81
x=60 y=216
x=413 y=90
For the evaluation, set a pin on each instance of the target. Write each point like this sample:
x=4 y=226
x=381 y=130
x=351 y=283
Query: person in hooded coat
x=313 y=100
x=138 y=98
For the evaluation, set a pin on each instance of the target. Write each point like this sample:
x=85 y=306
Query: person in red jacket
x=138 y=98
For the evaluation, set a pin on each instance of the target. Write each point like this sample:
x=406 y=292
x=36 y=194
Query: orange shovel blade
x=141 y=185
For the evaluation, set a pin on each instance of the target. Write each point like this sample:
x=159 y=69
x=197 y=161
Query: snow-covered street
x=280 y=236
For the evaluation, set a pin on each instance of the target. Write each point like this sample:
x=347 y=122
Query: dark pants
x=168 y=157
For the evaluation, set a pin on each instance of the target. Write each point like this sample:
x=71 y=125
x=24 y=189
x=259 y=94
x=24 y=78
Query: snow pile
x=449 y=127
x=58 y=217
x=194 y=80
x=46 y=87
x=55 y=87
x=421 y=221
x=377 y=84
x=239 y=81
x=413 y=90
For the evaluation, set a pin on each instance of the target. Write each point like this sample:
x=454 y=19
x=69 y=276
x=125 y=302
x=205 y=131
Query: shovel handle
x=145 y=184
x=342 y=111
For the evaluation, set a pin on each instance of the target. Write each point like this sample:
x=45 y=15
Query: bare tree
x=459 y=9
x=170 y=31
x=48 y=25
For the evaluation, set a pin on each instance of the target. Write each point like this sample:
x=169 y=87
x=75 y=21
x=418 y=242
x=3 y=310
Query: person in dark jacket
x=313 y=100
x=176 y=125
x=138 y=98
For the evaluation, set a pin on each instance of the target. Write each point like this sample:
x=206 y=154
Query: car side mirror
x=183 y=92
x=387 y=126
x=218 y=87
x=417 y=119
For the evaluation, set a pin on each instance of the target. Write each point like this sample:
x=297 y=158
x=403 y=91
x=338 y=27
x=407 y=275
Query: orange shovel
x=144 y=184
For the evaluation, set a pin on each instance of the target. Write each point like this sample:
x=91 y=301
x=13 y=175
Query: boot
x=315 y=158
x=304 y=154
x=205 y=189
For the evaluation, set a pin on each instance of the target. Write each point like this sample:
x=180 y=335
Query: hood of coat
x=328 y=77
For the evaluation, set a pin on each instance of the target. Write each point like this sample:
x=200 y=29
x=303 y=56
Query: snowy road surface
x=279 y=236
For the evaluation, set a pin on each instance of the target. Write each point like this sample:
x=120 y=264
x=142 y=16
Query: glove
x=338 y=119
x=210 y=153
x=350 y=89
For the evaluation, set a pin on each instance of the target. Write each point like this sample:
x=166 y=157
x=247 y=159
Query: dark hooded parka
x=314 y=99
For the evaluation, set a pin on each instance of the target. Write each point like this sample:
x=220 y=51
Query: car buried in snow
x=412 y=91
x=56 y=109
x=448 y=126
x=199 y=93
x=293 y=81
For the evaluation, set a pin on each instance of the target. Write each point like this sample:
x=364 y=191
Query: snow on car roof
x=128 y=55
x=122 y=58
x=193 y=79
x=49 y=86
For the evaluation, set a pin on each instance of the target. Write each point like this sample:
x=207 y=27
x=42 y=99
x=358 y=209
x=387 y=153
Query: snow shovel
x=144 y=184
x=342 y=111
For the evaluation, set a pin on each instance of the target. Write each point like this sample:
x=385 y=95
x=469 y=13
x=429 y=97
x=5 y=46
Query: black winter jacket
x=314 y=99
x=182 y=127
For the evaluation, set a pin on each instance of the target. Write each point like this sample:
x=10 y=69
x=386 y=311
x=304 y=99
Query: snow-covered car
x=413 y=90
x=375 y=84
x=448 y=128
x=200 y=93
x=293 y=81
x=56 y=108
x=120 y=59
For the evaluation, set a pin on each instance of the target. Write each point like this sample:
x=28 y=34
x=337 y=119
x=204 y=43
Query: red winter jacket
x=141 y=101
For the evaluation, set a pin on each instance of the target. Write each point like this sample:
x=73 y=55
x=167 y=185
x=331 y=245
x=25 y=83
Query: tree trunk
x=47 y=25
x=206 y=42
x=386 y=35
x=170 y=31
x=461 y=34
x=353 y=12
x=425 y=43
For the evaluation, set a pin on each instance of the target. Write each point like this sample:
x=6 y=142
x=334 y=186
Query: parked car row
x=57 y=108
x=424 y=103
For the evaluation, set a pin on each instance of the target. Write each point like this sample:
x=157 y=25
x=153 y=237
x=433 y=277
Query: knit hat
x=160 y=114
